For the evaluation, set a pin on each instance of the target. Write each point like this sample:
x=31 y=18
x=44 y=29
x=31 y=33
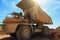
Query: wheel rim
x=26 y=33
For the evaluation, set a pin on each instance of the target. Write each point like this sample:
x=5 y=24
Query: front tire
x=23 y=33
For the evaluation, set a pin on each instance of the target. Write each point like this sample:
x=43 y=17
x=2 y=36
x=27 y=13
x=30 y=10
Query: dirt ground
x=36 y=37
x=54 y=35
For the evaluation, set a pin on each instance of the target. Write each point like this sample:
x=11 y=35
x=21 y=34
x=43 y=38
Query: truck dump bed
x=34 y=12
x=38 y=15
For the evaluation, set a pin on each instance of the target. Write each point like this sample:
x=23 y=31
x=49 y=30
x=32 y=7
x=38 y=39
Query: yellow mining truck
x=32 y=22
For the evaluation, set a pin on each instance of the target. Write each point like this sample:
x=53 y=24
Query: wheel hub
x=26 y=33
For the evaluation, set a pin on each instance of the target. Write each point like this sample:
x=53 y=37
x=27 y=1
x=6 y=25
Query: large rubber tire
x=23 y=33
x=45 y=31
x=13 y=35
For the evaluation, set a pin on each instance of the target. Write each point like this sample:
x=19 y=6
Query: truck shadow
x=9 y=38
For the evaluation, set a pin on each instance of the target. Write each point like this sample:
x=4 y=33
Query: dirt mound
x=57 y=33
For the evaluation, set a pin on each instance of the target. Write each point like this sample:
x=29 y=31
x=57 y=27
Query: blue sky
x=51 y=7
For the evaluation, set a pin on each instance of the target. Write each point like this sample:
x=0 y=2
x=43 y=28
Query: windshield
x=9 y=15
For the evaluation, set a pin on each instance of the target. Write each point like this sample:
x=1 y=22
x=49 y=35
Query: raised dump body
x=34 y=13
x=38 y=15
